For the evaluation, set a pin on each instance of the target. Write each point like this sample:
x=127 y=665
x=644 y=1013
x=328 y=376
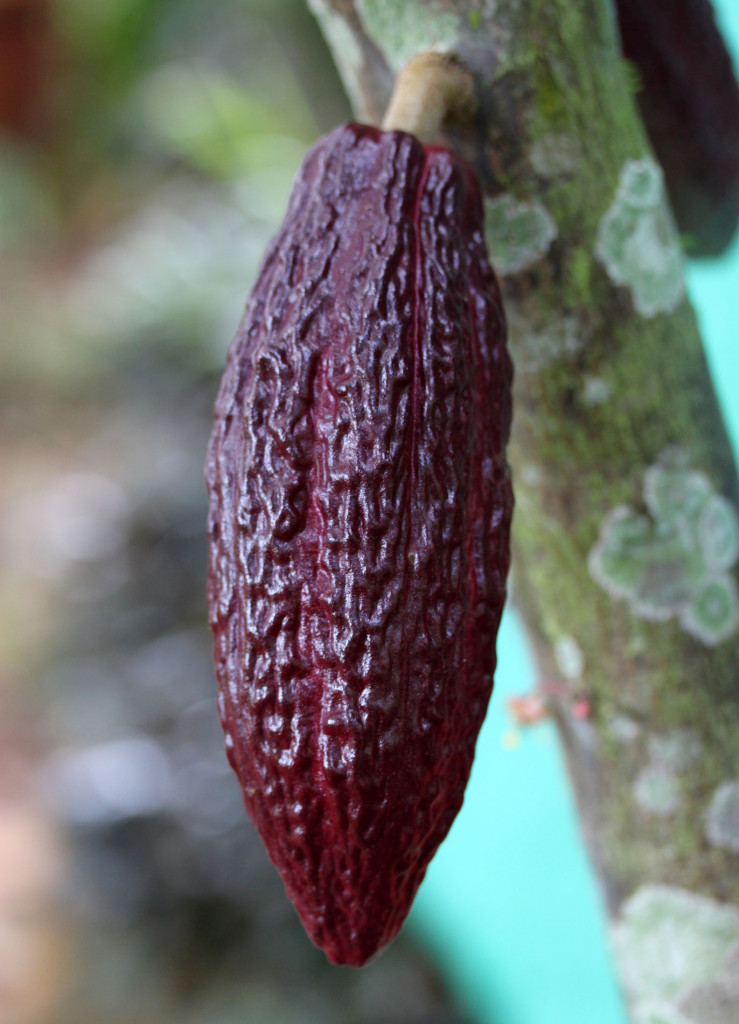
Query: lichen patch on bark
x=676 y=751
x=556 y=155
x=722 y=820
x=518 y=233
x=596 y=391
x=674 y=561
x=569 y=657
x=657 y=791
x=637 y=242
x=718 y=1001
x=668 y=941
x=538 y=345
x=409 y=28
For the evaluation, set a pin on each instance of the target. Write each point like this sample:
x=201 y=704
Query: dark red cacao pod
x=689 y=100
x=28 y=53
x=359 y=517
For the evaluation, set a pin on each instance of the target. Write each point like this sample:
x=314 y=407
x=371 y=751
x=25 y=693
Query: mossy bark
x=612 y=394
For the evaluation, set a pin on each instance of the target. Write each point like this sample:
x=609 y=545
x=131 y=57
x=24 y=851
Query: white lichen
x=609 y=560
x=640 y=185
x=711 y=1004
x=634 y=561
x=718 y=1001
x=403 y=30
x=536 y=345
x=518 y=233
x=623 y=729
x=730 y=974
x=713 y=614
x=675 y=751
x=674 y=561
x=530 y=474
x=673 y=492
x=637 y=242
x=670 y=940
x=657 y=1011
x=657 y=791
x=722 y=819
x=569 y=657
x=596 y=391
x=718 y=533
x=555 y=156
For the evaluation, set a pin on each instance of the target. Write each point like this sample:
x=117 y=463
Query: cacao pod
x=28 y=54
x=689 y=100
x=359 y=517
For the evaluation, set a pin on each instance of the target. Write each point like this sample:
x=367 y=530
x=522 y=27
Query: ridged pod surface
x=359 y=516
x=689 y=99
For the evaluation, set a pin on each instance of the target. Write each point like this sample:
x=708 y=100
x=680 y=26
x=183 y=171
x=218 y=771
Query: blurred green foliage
x=170 y=134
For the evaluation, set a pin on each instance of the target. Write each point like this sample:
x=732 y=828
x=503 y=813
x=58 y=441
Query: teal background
x=510 y=905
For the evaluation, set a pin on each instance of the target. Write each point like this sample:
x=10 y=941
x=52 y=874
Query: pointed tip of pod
x=360 y=953
x=355 y=914
x=355 y=945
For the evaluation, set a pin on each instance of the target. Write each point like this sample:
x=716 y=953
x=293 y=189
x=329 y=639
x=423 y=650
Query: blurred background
x=147 y=149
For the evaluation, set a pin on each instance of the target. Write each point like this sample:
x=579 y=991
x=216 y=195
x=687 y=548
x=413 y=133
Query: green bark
x=626 y=534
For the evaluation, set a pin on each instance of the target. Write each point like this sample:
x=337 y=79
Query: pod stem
x=433 y=89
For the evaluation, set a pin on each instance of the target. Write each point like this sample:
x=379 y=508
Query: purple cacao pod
x=360 y=506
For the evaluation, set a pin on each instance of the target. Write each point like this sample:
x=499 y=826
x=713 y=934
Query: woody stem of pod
x=432 y=89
